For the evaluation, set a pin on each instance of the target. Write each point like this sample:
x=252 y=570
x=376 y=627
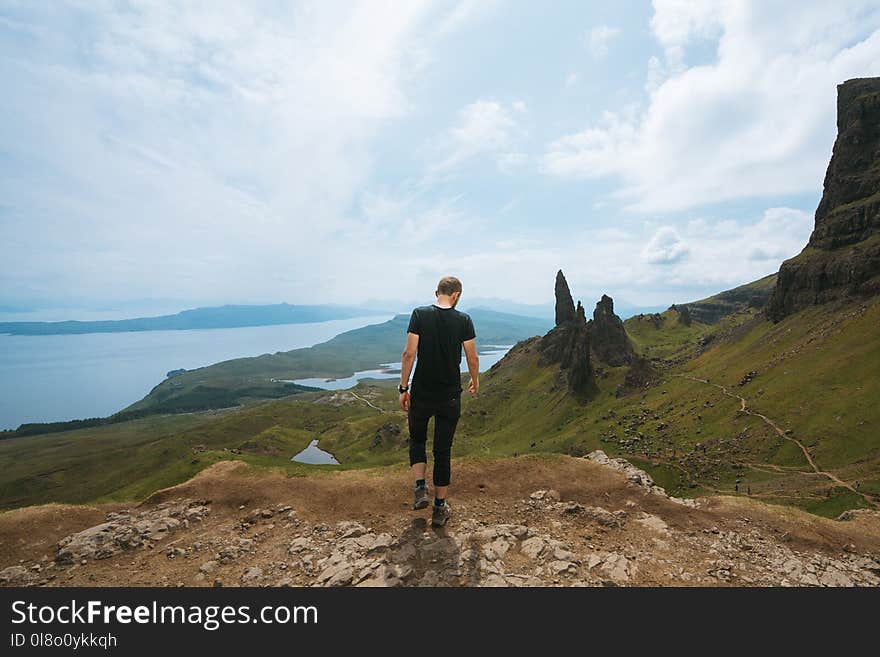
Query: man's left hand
x=404 y=401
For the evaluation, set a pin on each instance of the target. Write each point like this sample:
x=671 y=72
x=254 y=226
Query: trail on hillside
x=368 y=402
x=745 y=409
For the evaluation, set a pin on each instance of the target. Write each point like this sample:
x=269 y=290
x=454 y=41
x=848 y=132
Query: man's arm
x=473 y=361
x=408 y=357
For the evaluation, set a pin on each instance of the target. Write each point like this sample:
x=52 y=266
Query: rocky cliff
x=842 y=257
x=608 y=336
x=565 y=311
x=574 y=341
x=684 y=313
x=568 y=343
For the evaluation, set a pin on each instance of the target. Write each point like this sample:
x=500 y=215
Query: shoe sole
x=439 y=524
x=420 y=505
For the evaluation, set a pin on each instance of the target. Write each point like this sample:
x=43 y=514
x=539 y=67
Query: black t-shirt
x=438 y=367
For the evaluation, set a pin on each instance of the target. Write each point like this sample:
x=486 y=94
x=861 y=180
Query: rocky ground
x=527 y=521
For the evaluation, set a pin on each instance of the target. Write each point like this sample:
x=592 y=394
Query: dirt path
x=745 y=409
x=367 y=401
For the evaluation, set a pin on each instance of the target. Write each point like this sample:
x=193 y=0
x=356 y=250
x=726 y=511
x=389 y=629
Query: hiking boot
x=421 y=495
x=440 y=515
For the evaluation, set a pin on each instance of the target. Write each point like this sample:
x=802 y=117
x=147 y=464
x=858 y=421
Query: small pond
x=315 y=456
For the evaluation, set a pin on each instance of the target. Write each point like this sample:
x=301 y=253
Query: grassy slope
x=818 y=373
x=131 y=459
x=661 y=339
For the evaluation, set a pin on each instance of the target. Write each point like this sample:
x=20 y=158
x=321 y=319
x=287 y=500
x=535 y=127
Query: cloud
x=642 y=263
x=199 y=151
x=758 y=121
x=482 y=127
x=727 y=252
x=399 y=223
x=465 y=12
x=594 y=152
x=779 y=234
x=665 y=247
x=599 y=39
x=232 y=152
x=510 y=162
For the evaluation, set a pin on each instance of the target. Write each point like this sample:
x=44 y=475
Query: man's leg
x=418 y=469
x=417 y=420
x=445 y=422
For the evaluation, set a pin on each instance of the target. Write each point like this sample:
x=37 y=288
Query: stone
x=532 y=547
x=640 y=375
x=684 y=314
x=124 y=531
x=608 y=338
x=653 y=522
x=617 y=567
x=349 y=529
x=430 y=578
x=834 y=577
x=545 y=495
x=440 y=547
x=383 y=576
x=252 y=575
x=633 y=474
x=403 y=553
x=494 y=580
x=558 y=567
x=232 y=551
x=604 y=517
x=173 y=552
x=16 y=576
x=568 y=342
x=562 y=554
x=496 y=549
x=380 y=542
x=336 y=575
x=565 y=311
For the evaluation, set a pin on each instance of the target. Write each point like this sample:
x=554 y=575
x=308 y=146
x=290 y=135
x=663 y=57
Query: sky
x=203 y=153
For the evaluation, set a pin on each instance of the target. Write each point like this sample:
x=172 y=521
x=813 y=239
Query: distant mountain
x=229 y=316
x=751 y=295
x=495 y=304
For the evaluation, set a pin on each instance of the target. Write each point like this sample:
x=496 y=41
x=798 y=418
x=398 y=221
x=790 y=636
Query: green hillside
x=816 y=375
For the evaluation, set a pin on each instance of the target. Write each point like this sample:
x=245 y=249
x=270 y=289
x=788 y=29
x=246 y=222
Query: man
x=436 y=334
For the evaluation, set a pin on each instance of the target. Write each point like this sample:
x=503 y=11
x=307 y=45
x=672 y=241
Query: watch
x=402 y=389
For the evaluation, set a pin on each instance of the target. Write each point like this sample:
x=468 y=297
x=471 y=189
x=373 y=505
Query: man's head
x=448 y=290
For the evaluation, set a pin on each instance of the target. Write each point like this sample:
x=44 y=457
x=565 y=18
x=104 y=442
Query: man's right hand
x=473 y=386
